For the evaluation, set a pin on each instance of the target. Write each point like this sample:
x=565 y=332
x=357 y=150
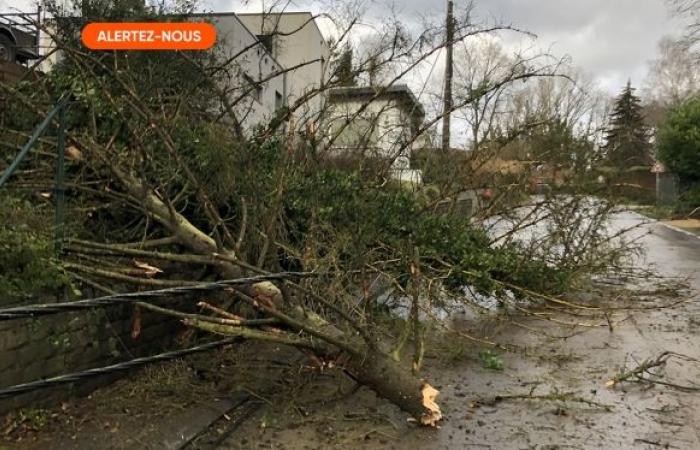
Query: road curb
x=664 y=224
x=680 y=230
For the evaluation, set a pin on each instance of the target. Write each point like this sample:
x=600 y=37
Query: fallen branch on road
x=554 y=396
x=643 y=372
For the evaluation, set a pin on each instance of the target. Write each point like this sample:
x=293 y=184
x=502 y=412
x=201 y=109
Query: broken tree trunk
x=377 y=369
x=365 y=362
x=380 y=372
x=369 y=365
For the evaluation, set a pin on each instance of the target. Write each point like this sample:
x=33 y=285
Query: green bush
x=679 y=141
x=360 y=223
x=27 y=262
x=688 y=201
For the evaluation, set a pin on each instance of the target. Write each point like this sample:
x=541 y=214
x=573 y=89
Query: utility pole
x=447 y=92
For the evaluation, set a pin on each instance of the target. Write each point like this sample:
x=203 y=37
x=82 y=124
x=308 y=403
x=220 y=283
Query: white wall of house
x=390 y=121
x=249 y=64
x=299 y=44
x=247 y=60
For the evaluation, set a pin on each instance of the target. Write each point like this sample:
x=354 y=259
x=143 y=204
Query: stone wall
x=38 y=348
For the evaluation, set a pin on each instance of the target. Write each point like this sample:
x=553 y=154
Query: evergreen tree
x=627 y=139
x=679 y=141
x=346 y=72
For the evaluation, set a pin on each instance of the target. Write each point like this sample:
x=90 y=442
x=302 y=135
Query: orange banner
x=149 y=36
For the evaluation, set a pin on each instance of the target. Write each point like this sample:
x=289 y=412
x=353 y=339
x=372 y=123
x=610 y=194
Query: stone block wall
x=43 y=347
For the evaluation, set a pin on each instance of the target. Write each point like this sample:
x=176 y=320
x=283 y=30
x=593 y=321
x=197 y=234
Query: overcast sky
x=611 y=39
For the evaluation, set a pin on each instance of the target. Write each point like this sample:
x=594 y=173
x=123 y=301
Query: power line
x=44 y=309
x=119 y=367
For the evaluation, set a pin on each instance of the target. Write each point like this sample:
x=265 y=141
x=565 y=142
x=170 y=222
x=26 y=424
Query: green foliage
x=490 y=360
x=627 y=139
x=345 y=72
x=688 y=201
x=554 y=141
x=679 y=141
x=329 y=218
x=355 y=223
x=27 y=262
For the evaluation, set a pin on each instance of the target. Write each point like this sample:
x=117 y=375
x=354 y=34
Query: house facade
x=295 y=40
x=272 y=60
x=251 y=72
x=381 y=120
x=251 y=76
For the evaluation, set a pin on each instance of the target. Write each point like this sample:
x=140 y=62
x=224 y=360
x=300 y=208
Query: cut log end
x=433 y=414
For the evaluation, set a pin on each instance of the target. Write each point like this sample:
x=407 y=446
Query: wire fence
x=114 y=368
x=44 y=309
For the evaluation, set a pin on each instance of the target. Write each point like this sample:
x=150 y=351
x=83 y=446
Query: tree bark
x=378 y=371
x=373 y=367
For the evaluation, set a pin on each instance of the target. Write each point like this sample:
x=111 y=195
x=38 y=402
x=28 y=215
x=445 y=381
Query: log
x=366 y=362
x=388 y=379
x=371 y=366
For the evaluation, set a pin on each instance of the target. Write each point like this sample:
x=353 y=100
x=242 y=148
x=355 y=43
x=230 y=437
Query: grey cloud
x=611 y=39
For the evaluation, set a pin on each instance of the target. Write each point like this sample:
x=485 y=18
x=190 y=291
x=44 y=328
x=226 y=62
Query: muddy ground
x=160 y=406
x=548 y=391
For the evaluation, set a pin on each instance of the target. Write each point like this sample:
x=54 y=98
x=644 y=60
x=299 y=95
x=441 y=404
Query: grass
x=490 y=360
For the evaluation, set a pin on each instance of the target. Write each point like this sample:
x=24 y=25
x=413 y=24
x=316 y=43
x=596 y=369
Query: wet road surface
x=642 y=417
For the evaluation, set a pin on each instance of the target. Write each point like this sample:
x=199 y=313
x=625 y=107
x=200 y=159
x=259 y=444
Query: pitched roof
x=401 y=91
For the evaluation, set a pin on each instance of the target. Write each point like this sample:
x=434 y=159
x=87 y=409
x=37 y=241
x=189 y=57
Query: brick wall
x=37 y=348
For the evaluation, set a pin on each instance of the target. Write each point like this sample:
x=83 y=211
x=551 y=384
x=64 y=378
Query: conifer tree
x=627 y=138
x=346 y=72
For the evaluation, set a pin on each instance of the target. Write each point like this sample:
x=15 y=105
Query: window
x=266 y=41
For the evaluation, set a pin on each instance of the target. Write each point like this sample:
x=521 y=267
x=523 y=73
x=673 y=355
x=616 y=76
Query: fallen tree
x=167 y=185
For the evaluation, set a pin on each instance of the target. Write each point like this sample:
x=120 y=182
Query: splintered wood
x=434 y=415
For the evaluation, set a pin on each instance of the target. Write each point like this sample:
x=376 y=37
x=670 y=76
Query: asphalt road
x=576 y=361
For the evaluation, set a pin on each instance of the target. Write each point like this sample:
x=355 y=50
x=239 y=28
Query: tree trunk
x=368 y=364
x=376 y=369
x=370 y=367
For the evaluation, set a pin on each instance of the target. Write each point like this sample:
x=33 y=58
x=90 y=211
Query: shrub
x=27 y=262
x=679 y=141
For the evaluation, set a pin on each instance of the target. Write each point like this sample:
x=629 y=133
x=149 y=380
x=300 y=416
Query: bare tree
x=673 y=76
x=689 y=10
x=478 y=63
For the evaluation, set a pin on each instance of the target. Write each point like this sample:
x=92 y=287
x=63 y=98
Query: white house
x=296 y=41
x=251 y=71
x=382 y=120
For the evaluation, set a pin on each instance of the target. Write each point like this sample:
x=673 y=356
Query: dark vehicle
x=19 y=37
